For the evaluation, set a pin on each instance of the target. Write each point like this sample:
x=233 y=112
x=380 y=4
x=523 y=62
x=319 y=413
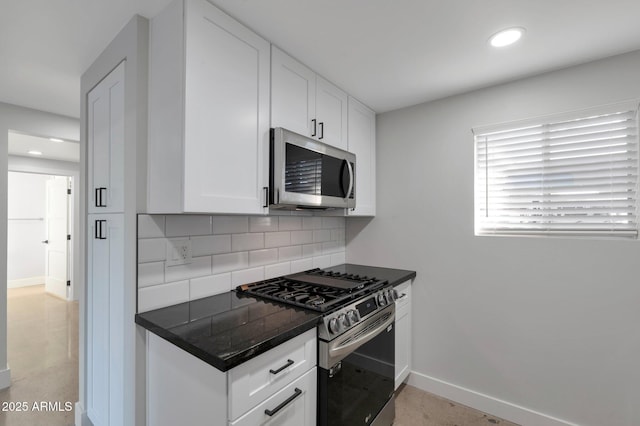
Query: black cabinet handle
x=99 y=193
x=266 y=196
x=296 y=393
x=289 y=362
x=314 y=127
x=321 y=130
x=98 y=230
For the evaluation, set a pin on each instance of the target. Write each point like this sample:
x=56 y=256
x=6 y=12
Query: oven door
x=355 y=386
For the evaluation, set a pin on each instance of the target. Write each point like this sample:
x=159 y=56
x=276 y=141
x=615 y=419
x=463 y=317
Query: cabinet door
x=331 y=113
x=403 y=333
x=293 y=94
x=226 y=126
x=295 y=405
x=105 y=144
x=362 y=142
x=105 y=319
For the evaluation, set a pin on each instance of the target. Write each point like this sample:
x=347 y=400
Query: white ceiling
x=20 y=144
x=389 y=54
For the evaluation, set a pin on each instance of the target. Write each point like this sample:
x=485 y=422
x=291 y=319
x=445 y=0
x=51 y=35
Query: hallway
x=43 y=357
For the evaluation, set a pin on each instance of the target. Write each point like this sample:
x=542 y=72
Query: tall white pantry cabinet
x=105 y=251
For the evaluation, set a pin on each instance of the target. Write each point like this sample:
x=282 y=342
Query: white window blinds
x=574 y=174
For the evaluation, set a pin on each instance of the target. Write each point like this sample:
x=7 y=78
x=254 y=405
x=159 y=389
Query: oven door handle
x=341 y=348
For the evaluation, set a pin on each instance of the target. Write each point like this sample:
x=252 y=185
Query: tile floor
x=415 y=407
x=43 y=357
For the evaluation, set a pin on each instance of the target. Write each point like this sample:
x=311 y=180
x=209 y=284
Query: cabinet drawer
x=258 y=379
x=294 y=405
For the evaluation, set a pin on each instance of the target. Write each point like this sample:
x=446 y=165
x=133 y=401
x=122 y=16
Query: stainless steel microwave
x=308 y=174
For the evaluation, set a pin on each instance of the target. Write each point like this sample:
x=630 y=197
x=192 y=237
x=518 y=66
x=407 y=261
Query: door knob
x=45 y=242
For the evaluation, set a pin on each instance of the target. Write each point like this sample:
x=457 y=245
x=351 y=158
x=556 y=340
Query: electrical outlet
x=178 y=252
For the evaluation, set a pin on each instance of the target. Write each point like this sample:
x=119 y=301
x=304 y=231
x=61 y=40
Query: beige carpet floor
x=43 y=358
x=415 y=407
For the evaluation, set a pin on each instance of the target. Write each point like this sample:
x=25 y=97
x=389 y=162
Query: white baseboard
x=485 y=403
x=5 y=378
x=25 y=282
x=81 y=418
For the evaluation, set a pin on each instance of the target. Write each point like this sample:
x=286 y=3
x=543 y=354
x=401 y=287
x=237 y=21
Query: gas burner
x=316 y=289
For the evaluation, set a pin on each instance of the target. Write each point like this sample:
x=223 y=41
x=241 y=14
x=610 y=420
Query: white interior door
x=57 y=220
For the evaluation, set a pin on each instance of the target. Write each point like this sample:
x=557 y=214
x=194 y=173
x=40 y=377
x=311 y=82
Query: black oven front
x=356 y=374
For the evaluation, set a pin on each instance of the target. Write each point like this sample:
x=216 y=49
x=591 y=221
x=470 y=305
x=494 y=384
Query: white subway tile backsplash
x=310 y=250
x=289 y=253
x=209 y=285
x=159 y=296
x=312 y=222
x=231 y=250
x=210 y=244
x=301 y=265
x=150 y=226
x=277 y=270
x=244 y=242
x=230 y=224
x=321 y=236
x=290 y=223
x=247 y=276
x=277 y=239
x=338 y=235
x=185 y=225
x=333 y=222
x=150 y=274
x=322 y=261
x=152 y=250
x=338 y=258
x=263 y=223
x=198 y=267
x=229 y=262
x=301 y=237
x=331 y=247
x=263 y=257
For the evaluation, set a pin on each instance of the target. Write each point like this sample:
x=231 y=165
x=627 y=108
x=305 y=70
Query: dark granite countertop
x=228 y=329
x=394 y=276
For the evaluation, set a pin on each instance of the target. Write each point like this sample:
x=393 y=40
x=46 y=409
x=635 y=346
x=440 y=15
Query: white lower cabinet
x=105 y=319
x=295 y=405
x=275 y=387
x=403 y=333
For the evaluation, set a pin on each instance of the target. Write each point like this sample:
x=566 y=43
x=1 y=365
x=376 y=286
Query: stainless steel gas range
x=356 y=352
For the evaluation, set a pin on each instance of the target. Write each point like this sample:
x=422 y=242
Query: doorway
x=40 y=208
x=42 y=315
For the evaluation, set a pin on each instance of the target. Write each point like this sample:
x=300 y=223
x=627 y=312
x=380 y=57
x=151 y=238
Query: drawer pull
x=296 y=393
x=289 y=362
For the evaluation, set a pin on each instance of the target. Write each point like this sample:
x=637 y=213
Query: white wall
x=528 y=328
x=26 y=229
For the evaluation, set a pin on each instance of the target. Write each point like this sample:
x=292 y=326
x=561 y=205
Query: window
x=575 y=174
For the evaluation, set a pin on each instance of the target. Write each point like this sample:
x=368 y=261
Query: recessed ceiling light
x=55 y=140
x=34 y=152
x=506 y=37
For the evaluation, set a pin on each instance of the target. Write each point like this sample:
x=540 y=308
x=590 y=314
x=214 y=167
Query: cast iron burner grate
x=315 y=289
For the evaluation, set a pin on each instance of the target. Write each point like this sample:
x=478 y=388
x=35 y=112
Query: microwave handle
x=350 y=178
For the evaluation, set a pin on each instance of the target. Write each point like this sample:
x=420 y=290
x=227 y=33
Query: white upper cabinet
x=105 y=144
x=304 y=102
x=208 y=113
x=362 y=142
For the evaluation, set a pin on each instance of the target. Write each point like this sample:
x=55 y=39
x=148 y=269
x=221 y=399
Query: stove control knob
x=390 y=297
x=344 y=321
x=334 y=326
x=395 y=294
x=353 y=316
x=382 y=301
